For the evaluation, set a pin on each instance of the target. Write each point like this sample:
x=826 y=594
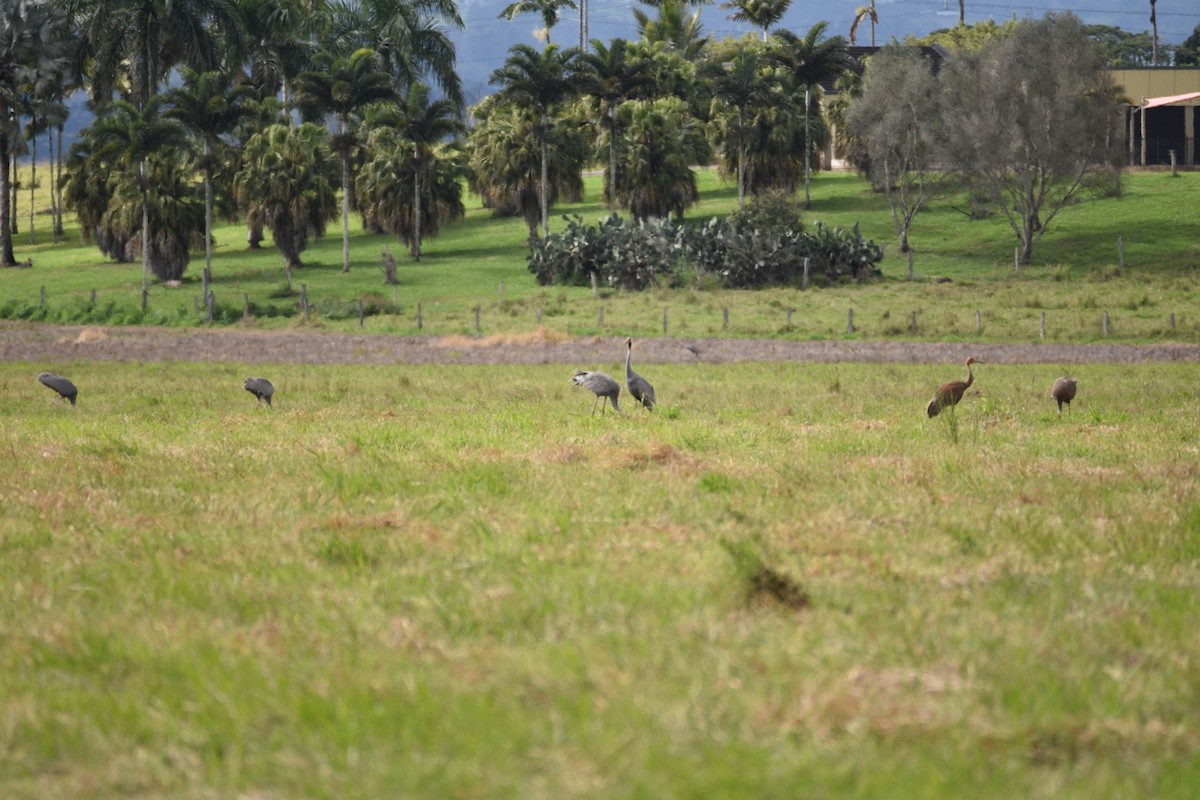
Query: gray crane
x=66 y=390
x=639 y=387
x=260 y=388
x=601 y=385
x=1064 y=392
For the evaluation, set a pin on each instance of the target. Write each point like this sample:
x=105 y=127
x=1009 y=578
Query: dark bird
x=639 y=387
x=601 y=385
x=948 y=394
x=66 y=390
x=260 y=388
x=693 y=349
x=1064 y=392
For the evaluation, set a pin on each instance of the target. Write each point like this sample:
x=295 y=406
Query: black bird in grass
x=601 y=385
x=1064 y=392
x=948 y=394
x=260 y=388
x=638 y=386
x=66 y=390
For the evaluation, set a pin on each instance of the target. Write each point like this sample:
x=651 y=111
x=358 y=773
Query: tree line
x=289 y=114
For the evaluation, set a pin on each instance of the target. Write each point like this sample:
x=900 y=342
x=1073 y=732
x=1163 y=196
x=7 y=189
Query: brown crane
x=948 y=394
x=1064 y=392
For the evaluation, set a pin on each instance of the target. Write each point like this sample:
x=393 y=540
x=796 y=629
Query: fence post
x=1016 y=259
x=913 y=326
x=978 y=322
x=245 y=305
x=1120 y=251
x=1174 y=172
x=42 y=296
x=725 y=318
x=476 y=310
x=304 y=299
x=419 y=316
x=208 y=304
x=361 y=312
x=850 y=322
x=538 y=313
x=664 y=320
x=595 y=286
x=790 y=311
x=1172 y=322
x=600 y=316
x=804 y=280
x=1105 y=323
x=1043 y=327
x=93 y=298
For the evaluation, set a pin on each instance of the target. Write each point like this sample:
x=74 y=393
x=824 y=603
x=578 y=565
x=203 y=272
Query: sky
x=483 y=46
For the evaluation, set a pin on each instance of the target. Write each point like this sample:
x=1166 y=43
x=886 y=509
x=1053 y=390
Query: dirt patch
x=57 y=343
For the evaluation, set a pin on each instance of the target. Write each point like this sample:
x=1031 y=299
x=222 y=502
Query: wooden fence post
x=850 y=322
x=1120 y=251
x=913 y=326
x=1105 y=323
x=600 y=316
x=1172 y=322
x=790 y=311
x=93 y=298
x=476 y=310
x=362 y=312
x=245 y=305
x=664 y=320
x=208 y=304
x=804 y=280
x=978 y=322
x=419 y=323
x=1043 y=326
x=725 y=318
x=538 y=313
x=304 y=299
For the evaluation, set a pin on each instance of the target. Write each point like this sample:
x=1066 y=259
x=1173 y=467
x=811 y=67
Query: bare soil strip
x=58 y=343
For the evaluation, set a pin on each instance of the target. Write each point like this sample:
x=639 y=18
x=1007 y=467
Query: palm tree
x=663 y=142
x=408 y=37
x=343 y=87
x=760 y=13
x=134 y=44
x=548 y=9
x=286 y=184
x=282 y=44
x=614 y=76
x=742 y=87
x=424 y=124
x=540 y=82
x=209 y=106
x=129 y=136
x=28 y=33
x=674 y=26
x=864 y=13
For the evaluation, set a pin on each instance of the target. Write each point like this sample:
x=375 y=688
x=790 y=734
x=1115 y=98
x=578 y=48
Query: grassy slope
x=453 y=582
x=1073 y=283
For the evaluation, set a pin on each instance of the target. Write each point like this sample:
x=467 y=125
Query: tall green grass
x=455 y=582
x=481 y=262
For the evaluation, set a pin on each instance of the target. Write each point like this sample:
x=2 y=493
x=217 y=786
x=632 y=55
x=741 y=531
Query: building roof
x=1189 y=99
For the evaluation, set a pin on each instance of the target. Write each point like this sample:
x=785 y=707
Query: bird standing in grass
x=1064 y=392
x=601 y=385
x=66 y=390
x=948 y=394
x=260 y=388
x=638 y=386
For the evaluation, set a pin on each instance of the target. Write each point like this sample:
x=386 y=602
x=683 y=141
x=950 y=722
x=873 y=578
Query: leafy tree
x=760 y=13
x=897 y=116
x=740 y=87
x=209 y=106
x=615 y=74
x=967 y=38
x=663 y=142
x=287 y=184
x=1187 y=54
x=1027 y=117
x=128 y=137
x=1120 y=48
x=540 y=82
x=343 y=87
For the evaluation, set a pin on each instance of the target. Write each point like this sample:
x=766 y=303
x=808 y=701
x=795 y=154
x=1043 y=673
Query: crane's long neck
x=628 y=357
x=970 y=377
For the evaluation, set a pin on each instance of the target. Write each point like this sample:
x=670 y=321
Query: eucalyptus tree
x=549 y=10
x=663 y=142
x=127 y=136
x=286 y=183
x=210 y=106
x=615 y=73
x=898 y=118
x=1027 y=119
x=409 y=38
x=343 y=86
x=540 y=82
x=759 y=13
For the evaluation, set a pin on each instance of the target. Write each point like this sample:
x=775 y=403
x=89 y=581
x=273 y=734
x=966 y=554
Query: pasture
x=454 y=582
x=1076 y=280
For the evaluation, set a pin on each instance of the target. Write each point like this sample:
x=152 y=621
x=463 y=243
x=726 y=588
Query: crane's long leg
x=597 y=400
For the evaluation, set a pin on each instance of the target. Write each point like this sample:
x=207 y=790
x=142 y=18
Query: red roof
x=1177 y=99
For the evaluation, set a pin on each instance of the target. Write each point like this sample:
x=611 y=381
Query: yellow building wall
x=1145 y=82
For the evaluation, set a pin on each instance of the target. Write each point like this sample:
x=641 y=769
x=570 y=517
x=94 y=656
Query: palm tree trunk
x=208 y=204
x=741 y=162
x=807 y=154
x=32 y=183
x=416 y=242
x=53 y=186
x=6 y=245
x=145 y=238
x=58 y=205
x=345 y=205
x=545 y=180
x=612 y=161
x=16 y=210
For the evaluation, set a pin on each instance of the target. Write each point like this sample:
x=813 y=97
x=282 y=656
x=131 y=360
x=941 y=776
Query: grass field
x=453 y=582
x=1075 y=281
